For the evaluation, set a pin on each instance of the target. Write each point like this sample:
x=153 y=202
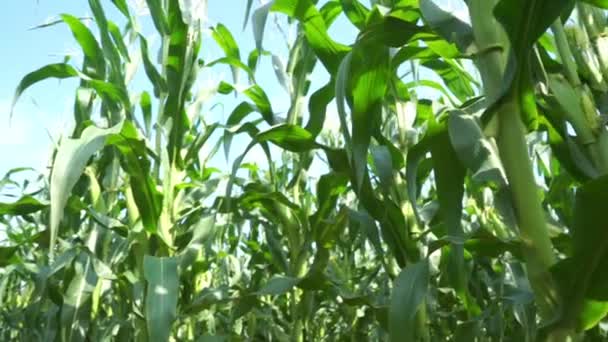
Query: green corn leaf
x=391 y=31
x=525 y=21
x=315 y=28
x=7 y=254
x=409 y=292
x=383 y=165
x=450 y=177
x=146 y=110
x=252 y=131
x=256 y=94
x=226 y=41
x=368 y=85
x=158 y=16
x=259 y=18
x=317 y=107
x=121 y=5
x=201 y=232
x=59 y=70
x=329 y=188
x=135 y=162
x=161 y=295
x=355 y=12
x=71 y=158
x=582 y=277
x=160 y=85
x=110 y=50
x=247 y=13
x=88 y=43
x=75 y=311
x=340 y=93
x=290 y=137
x=414 y=157
x=25 y=205
x=235 y=64
x=474 y=150
x=241 y=111
x=118 y=40
x=597 y=3
x=447 y=25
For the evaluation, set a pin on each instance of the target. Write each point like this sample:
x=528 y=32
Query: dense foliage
x=461 y=198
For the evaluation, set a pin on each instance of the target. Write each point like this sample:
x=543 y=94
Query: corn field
x=446 y=182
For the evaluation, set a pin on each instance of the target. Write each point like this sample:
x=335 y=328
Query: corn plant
x=461 y=198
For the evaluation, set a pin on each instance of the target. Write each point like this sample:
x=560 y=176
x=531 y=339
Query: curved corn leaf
x=315 y=29
x=447 y=25
x=257 y=95
x=24 y=206
x=355 y=12
x=71 y=158
x=289 y=137
x=158 y=16
x=226 y=41
x=259 y=18
x=160 y=85
x=88 y=44
x=58 y=70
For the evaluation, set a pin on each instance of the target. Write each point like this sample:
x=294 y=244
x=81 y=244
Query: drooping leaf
x=447 y=25
x=226 y=41
x=525 y=21
x=317 y=108
x=160 y=85
x=315 y=28
x=257 y=95
x=71 y=158
x=24 y=206
x=259 y=24
x=355 y=12
x=59 y=70
x=158 y=16
x=88 y=44
x=290 y=137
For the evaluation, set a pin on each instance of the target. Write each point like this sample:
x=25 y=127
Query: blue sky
x=43 y=113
